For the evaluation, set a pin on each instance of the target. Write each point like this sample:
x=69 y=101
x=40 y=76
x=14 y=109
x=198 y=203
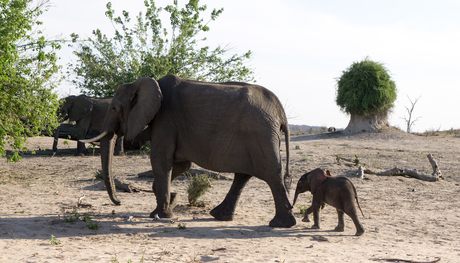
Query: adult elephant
x=88 y=113
x=224 y=127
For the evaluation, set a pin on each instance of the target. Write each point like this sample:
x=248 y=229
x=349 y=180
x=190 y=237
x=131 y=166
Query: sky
x=301 y=47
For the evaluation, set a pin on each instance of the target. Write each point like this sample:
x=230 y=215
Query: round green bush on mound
x=365 y=88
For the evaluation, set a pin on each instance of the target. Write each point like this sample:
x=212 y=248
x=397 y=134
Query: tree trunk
x=56 y=138
x=370 y=123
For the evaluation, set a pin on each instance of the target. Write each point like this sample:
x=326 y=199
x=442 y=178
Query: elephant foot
x=306 y=219
x=222 y=213
x=359 y=232
x=315 y=227
x=162 y=214
x=168 y=213
x=283 y=221
x=339 y=228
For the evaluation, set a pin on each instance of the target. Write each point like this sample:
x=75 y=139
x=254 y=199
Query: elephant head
x=75 y=107
x=310 y=182
x=133 y=107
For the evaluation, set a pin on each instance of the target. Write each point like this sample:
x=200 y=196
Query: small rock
x=297 y=147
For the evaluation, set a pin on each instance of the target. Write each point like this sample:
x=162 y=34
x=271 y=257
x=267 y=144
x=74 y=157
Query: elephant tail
x=287 y=176
x=356 y=197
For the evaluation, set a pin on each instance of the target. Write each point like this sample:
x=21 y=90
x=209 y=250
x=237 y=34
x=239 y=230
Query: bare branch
x=409 y=121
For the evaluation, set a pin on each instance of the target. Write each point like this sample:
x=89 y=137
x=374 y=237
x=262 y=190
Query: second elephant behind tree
x=88 y=113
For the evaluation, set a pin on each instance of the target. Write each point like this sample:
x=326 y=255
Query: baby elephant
x=338 y=192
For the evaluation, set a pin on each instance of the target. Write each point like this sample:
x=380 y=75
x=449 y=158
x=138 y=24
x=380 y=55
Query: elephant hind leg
x=359 y=227
x=283 y=216
x=353 y=214
x=226 y=210
x=341 y=225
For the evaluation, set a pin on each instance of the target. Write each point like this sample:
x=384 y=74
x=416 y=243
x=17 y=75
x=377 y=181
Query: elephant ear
x=146 y=102
x=81 y=107
x=315 y=179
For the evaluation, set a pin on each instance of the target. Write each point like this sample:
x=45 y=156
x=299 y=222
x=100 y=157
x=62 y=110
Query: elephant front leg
x=162 y=193
x=306 y=218
x=119 y=149
x=177 y=169
x=162 y=188
x=226 y=210
x=81 y=149
x=81 y=134
x=163 y=210
x=315 y=208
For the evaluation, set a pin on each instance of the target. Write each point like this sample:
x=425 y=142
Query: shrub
x=198 y=186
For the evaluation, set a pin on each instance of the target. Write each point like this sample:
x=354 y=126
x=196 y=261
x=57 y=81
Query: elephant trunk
x=107 y=147
x=297 y=192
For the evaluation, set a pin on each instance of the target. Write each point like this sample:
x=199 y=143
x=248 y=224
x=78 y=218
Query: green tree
x=148 y=49
x=366 y=92
x=27 y=75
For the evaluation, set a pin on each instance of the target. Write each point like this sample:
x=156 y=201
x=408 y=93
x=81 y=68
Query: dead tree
x=409 y=121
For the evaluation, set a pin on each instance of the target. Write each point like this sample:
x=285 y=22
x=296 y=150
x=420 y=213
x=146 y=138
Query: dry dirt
x=405 y=218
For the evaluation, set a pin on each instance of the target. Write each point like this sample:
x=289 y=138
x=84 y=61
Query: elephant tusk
x=97 y=143
x=95 y=138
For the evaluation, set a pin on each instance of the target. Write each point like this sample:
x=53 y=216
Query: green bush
x=365 y=88
x=198 y=186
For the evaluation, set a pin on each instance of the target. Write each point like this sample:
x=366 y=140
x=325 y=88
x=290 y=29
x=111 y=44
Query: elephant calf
x=338 y=192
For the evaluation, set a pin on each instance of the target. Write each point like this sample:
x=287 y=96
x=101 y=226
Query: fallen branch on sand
x=406 y=261
x=120 y=185
x=403 y=172
x=412 y=173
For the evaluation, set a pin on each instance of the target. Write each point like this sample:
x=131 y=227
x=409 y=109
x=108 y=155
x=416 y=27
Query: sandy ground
x=405 y=218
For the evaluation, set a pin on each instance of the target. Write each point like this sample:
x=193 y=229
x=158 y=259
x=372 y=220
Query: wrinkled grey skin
x=88 y=113
x=338 y=192
x=224 y=127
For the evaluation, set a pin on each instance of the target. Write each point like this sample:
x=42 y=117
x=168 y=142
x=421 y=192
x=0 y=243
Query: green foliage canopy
x=365 y=88
x=27 y=75
x=147 y=49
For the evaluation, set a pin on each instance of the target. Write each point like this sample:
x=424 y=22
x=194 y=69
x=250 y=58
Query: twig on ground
x=407 y=261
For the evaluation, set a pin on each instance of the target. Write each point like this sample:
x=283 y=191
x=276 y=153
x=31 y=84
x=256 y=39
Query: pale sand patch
x=405 y=218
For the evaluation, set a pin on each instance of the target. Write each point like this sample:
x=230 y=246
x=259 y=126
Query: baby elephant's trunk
x=295 y=197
